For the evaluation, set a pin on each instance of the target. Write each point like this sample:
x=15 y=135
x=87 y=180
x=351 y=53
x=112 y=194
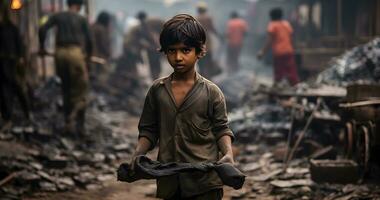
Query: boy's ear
x=203 y=52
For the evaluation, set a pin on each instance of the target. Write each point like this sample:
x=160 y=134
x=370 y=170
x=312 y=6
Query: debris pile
x=235 y=86
x=360 y=64
x=267 y=179
x=43 y=158
x=274 y=115
x=290 y=139
x=267 y=128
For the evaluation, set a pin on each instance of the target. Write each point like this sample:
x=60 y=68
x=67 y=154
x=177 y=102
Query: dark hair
x=234 y=14
x=104 y=18
x=74 y=2
x=141 y=15
x=183 y=28
x=276 y=14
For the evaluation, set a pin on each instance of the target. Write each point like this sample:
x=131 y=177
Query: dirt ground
x=113 y=190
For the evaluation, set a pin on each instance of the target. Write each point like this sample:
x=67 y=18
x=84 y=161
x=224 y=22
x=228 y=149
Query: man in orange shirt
x=236 y=31
x=279 y=38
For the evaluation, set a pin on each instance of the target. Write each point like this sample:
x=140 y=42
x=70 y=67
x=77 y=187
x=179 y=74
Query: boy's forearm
x=225 y=145
x=143 y=146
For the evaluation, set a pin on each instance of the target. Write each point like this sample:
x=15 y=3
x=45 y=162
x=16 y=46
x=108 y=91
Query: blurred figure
x=126 y=75
x=279 y=37
x=12 y=69
x=101 y=47
x=72 y=36
x=148 y=33
x=236 y=31
x=207 y=66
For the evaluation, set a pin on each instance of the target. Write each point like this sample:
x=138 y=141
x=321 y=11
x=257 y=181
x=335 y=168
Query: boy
x=186 y=113
x=72 y=34
x=280 y=38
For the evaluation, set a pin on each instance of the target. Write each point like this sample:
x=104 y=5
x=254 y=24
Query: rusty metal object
x=374 y=132
x=349 y=140
x=361 y=110
x=363 y=148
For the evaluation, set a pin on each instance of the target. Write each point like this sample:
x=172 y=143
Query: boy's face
x=181 y=57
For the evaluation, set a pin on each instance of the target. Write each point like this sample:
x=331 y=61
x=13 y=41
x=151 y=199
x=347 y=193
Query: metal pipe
x=309 y=120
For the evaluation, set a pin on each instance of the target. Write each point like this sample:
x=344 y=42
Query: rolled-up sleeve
x=148 y=124
x=220 y=126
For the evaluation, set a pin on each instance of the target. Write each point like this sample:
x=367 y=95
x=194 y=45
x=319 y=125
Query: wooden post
x=339 y=20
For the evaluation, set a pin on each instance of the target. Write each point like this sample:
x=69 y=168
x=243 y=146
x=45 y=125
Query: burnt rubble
x=289 y=139
x=41 y=158
x=267 y=179
x=266 y=130
x=358 y=65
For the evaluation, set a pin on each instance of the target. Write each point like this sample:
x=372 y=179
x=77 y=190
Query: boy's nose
x=178 y=56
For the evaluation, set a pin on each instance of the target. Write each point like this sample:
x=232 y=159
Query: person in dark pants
x=279 y=38
x=12 y=70
x=73 y=36
x=187 y=114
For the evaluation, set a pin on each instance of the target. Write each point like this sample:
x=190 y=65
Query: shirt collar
x=166 y=80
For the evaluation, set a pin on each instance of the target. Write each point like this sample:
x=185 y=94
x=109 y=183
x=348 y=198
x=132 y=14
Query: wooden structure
x=334 y=26
x=29 y=18
x=362 y=116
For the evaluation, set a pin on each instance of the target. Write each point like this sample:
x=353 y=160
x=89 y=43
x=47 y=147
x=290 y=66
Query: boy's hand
x=228 y=158
x=141 y=149
x=132 y=162
x=225 y=146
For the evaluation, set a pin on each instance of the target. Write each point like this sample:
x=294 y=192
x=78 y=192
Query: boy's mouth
x=179 y=66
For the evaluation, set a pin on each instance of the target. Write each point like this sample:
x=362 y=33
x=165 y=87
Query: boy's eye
x=186 y=50
x=170 y=51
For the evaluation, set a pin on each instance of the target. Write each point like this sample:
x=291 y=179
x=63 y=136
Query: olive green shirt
x=186 y=134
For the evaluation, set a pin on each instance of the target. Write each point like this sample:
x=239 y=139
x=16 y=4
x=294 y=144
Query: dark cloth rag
x=145 y=168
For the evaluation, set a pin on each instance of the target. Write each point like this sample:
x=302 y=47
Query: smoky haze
x=125 y=10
